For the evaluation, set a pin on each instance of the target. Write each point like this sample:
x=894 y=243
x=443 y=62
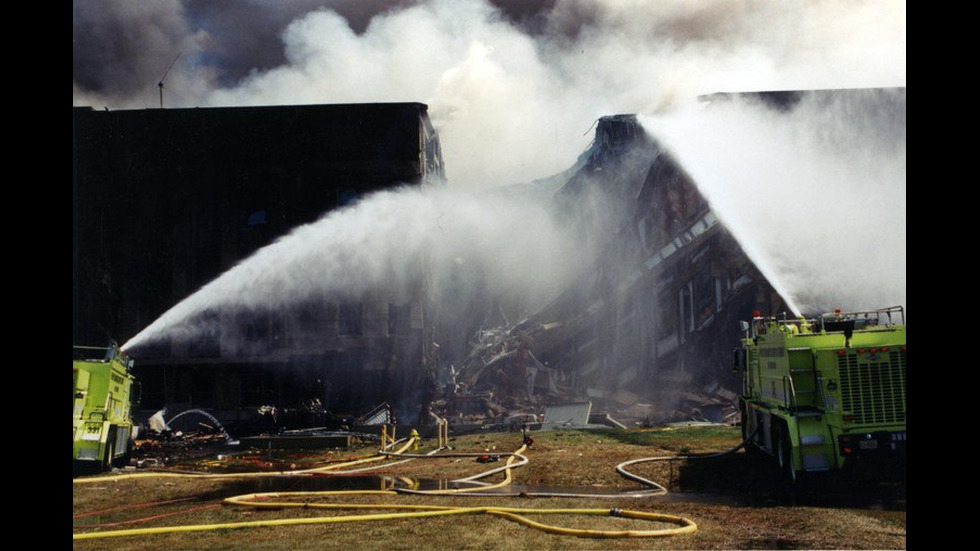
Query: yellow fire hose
x=208 y=476
x=259 y=500
x=508 y=466
x=684 y=526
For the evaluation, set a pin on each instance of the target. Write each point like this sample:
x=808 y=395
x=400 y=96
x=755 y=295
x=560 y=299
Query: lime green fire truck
x=102 y=393
x=819 y=394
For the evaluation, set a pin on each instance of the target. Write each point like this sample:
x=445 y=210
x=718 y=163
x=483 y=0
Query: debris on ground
x=504 y=385
x=169 y=447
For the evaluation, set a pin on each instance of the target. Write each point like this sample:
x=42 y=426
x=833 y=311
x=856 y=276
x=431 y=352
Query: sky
x=513 y=87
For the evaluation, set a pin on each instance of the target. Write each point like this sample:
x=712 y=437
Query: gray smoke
x=243 y=36
x=508 y=82
x=513 y=88
x=121 y=49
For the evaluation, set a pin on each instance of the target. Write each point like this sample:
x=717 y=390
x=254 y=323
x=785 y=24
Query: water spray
x=386 y=244
x=814 y=193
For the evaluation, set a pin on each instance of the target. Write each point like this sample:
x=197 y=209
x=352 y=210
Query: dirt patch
x=712 y=493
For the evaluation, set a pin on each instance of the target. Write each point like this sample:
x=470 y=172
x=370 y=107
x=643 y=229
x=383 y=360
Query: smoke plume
x=513 y=88
x=508 y=82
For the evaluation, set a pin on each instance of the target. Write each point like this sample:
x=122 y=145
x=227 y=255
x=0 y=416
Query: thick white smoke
x=508 y=85
x=388 y=242
x=512 y=91
x=816 y=195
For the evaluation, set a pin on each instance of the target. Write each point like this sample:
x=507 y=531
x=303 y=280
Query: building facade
x=164 y=201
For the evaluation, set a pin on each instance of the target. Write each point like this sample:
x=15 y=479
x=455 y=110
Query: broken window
x=720 y=285
x=647 y=228
x=668 y=322
x=686 y=298
x=704 y=297
x=399 y=318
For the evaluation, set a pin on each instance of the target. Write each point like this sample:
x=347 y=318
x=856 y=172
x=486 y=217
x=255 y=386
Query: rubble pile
x=168 y=447
x=504 y=384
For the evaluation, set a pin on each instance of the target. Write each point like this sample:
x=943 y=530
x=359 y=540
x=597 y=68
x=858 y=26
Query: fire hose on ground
x=514 y=460
x=207 y=476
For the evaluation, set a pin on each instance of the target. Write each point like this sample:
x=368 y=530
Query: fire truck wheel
x=110 y=450
x=750 y=447
x=784 y=452
x=123 y=460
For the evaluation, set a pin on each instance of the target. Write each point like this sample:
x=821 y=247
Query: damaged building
x=166 y=200
x=651 y=328
x=648 y=333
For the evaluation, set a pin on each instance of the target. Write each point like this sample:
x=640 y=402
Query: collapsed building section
x=649 y=332
x=166 y=200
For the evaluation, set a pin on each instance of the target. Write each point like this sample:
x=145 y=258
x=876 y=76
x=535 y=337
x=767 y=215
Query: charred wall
x=166 y=200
